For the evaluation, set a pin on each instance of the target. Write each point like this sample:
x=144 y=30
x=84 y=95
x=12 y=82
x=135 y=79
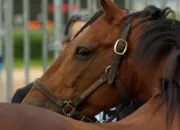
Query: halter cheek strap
x=120 y=49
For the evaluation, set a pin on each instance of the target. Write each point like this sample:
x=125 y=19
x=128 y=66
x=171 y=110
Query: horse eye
x=82 y=53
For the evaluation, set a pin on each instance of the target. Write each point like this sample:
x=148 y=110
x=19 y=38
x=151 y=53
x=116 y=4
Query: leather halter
x=69 y=108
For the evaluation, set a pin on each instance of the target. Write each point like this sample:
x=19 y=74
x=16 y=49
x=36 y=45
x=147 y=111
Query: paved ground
x=19 y=80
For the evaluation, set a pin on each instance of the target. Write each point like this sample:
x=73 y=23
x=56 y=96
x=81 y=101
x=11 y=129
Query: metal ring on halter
x=68 y=105
x=107 y=69
x=115 y=47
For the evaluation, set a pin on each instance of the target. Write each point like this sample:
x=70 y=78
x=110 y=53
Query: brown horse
x=24 y=117
x=84 y=84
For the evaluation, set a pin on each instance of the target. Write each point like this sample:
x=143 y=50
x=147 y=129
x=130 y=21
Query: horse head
x=104 y=65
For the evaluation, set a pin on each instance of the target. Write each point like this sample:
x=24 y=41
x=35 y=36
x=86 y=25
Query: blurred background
x=31 y=32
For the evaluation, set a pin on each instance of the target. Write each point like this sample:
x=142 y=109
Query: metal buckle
x=83 y=118
x=107 y=69
x=67 y=105
x=115 y=47
x=86 y=118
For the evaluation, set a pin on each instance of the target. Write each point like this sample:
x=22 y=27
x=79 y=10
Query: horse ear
x=111 y=10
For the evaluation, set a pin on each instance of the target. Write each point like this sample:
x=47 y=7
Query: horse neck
x=147 y=117
x=146 y=79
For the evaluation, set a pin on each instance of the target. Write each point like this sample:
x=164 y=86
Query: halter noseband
x=69 y=108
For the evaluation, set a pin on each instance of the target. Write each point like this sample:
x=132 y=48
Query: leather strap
x=48 y=94
x=124 y=97
x=68 y=108
x=120 y=47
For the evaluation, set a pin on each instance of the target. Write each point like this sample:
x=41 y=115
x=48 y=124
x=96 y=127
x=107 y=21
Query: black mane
x=162 y=37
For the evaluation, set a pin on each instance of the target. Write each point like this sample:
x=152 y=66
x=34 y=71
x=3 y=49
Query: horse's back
x=24 y=117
